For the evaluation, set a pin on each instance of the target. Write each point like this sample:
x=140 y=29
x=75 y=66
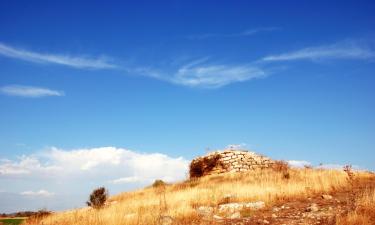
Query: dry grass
x=364 y=211
x=180 y=200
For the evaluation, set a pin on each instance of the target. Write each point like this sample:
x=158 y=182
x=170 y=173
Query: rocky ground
x=318 y=209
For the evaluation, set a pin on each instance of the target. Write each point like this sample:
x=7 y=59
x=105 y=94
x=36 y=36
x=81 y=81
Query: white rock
x=235 y=215
x=205 y=211
x=230 y=207
x=313 y=208
x=255 y=205
x=233 y=207
x=327 y=197
x=216 y=217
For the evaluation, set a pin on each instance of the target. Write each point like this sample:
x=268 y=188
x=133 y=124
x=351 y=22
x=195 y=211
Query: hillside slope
x=292 y=196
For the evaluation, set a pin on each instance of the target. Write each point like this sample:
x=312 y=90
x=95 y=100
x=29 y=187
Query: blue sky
x=87 y=88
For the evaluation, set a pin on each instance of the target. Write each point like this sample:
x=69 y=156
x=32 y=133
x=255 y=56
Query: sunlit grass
x=181 y=199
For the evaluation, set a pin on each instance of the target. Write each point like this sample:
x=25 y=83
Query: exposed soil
x=314 y=210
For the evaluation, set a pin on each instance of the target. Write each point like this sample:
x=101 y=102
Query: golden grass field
x=180 y=200
x=364 y=211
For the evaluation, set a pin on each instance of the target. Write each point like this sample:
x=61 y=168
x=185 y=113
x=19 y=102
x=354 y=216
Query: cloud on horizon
x=355 y=50
x=55 y=163
x=81 y=62
x=29 y=91
x=77 y=172
x=40 y=193
x=132 y=179
x=299 y=163
x=331 y=166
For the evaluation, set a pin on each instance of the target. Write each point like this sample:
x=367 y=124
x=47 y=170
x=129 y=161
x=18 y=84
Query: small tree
x=158 y=183
x=97 y=198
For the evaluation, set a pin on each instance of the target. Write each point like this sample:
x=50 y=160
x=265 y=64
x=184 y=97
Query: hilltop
x=276 y=194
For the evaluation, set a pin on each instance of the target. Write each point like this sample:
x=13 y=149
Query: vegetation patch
x=283 y=168
x=98 y=198
x=12 y=221
x=201 y=166
x=179 y=203
x=158 y=183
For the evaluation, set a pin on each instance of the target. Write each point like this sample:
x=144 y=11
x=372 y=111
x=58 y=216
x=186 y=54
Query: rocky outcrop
x=229 y=211
x=229 y=161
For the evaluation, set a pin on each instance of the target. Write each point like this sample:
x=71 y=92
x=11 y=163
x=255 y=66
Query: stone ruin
x=228 y=160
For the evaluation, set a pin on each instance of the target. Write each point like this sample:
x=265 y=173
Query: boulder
x=235 y=215
x=205 y=211
x=312 y=208
x=327 y=197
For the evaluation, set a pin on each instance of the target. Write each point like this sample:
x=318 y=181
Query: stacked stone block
x=236 y=161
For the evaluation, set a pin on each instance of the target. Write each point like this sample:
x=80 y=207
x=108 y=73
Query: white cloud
x=194 y=74
x=29 y=91
x=100 y=163
x=132 y=179
x=299 y=163
x=40 y=193
x=331 y=166
x=201 y=74
x=26 y=166
x=341 y=50
x=215 y=76
x=66 y=60
x=245 y=33
x=75 y=173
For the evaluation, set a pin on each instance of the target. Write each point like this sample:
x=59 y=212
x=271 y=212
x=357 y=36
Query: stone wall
x=234 y=161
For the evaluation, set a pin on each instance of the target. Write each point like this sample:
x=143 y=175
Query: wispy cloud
x=29 y=91
x=81 y=62
x=341 y=50
x=40 y=193
x=202 y=74
x=216 y=75
x=249 y=32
